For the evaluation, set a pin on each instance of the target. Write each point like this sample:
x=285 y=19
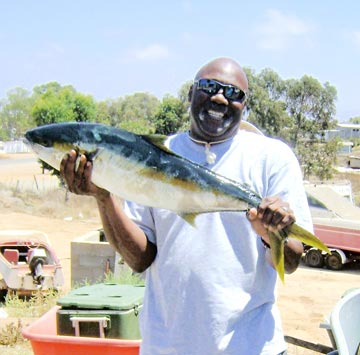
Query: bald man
x=210 y=290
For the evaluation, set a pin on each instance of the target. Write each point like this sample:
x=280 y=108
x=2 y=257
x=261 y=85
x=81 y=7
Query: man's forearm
x=293 y=250
x=124 y=235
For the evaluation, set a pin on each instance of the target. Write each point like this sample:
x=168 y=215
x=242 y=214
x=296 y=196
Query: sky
x=114 y=48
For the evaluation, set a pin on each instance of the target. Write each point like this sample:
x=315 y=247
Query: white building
x=346 y=131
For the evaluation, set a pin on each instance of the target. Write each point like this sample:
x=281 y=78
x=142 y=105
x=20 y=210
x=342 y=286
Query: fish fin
x=297 y=232
x=158 y=140
x=90 y=155
x=190 y=218
x=277 y=253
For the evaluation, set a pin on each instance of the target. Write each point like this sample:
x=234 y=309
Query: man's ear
x=190 y=92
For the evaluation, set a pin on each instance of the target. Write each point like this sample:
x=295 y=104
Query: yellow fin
x=277 y=252
x=190 y=218
x=158 y=140
x=297 y=232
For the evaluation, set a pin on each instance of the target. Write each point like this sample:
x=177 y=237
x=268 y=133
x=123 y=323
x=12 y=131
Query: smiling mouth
x=216 y=114
x=218 y=118
x=212 y=115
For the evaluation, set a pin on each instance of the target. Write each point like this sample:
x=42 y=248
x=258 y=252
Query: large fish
x=140 y=168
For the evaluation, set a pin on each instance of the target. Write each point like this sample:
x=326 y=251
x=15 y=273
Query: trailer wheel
x=334 y=261
x=314 y=258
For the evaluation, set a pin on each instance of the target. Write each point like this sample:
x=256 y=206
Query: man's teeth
x=216 y=114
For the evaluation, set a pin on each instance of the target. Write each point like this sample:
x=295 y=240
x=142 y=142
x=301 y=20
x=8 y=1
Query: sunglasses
x=212 y=87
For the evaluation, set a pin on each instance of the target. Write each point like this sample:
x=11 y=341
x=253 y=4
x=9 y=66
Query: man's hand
x=273 y=214
x=78 y=179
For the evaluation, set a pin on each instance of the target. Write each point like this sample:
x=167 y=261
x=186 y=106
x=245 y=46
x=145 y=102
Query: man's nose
x=220 y=98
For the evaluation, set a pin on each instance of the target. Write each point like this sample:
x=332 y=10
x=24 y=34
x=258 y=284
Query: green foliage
x=171 y=116
x=133 y=113
x=54 y=104
x=318 y=158
x=34 y=306
x=311 y=106
x=15 y=113
x=265 y=105
x=138 y=126
x=83 y=107
x=139 y=106
x=126 y=277
x=296 y=111
x=109 y=112
x=355 y=120
x=183 y=94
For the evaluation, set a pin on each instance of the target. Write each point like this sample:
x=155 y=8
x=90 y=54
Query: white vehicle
x=28 y=263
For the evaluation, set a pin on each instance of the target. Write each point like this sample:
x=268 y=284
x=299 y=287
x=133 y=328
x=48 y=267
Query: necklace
x=210 y=156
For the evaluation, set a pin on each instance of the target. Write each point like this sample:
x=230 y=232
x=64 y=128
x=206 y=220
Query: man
x=210 y=289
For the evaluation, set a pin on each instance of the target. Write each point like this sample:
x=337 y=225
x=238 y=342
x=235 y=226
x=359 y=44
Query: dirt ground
x=305 y=299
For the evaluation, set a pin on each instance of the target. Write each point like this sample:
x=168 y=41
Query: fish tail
x=277 y=242
x=297 y=232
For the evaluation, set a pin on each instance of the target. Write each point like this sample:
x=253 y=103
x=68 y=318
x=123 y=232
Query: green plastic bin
x=101 y=310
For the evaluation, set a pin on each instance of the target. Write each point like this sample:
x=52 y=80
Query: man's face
x=214 y=116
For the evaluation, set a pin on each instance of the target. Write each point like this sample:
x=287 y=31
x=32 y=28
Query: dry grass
x=11 y=339
x=51 y=203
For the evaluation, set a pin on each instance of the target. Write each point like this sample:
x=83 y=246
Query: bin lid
x=104 y=296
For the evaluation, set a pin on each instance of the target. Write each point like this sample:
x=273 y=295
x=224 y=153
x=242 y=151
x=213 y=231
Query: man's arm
x=120 y=231
x=124 y=235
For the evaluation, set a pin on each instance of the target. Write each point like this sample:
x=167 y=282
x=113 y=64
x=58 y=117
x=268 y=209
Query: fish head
x=51 y=142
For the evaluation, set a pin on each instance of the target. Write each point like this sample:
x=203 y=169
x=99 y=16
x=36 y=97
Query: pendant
x=210 y=156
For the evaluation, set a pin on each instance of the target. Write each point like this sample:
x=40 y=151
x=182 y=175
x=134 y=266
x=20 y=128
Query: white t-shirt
x=210 y=290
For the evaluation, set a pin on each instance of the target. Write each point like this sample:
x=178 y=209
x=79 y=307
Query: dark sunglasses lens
x=234 y=93
x=210 y=86
x=230 y=92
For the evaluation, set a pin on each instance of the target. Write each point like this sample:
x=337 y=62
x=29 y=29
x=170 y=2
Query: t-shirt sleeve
x=143 y=217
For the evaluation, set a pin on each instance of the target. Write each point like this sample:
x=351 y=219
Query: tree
x=265 y=104
x=137 y=110
x=183 y=94
x=295 y=111
x=109 y=112
x=311 y=106
x=15 y=114
x=83 y=107
x=355 y=120
x=133 y=112
x=317 y=158
x=170 y=117
x=54 y=104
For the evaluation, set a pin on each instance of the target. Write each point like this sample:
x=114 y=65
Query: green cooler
x=102 y=310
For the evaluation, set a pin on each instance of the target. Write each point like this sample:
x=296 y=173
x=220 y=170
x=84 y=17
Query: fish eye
x=46 y=143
